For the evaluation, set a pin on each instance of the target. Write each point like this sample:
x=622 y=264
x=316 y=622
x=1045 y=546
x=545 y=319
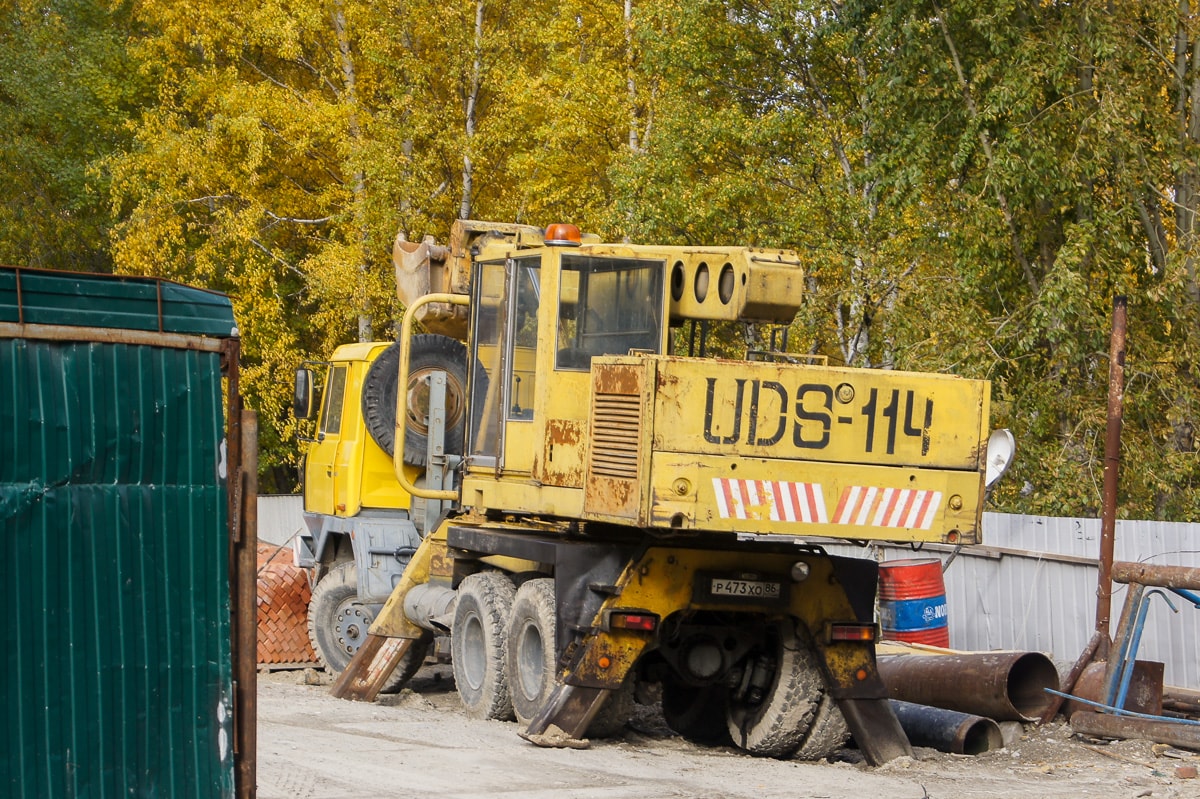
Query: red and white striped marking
x=864 y=506
x=770 y=499
x=887 y=507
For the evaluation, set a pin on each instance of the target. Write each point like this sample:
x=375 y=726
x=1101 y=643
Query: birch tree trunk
x=365 y=333
x=468 y=175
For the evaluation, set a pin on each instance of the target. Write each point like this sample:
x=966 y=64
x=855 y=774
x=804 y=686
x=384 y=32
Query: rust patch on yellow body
x=561 y=459
x=617 y=379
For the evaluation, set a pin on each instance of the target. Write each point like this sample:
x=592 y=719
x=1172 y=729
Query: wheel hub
x=350 y=627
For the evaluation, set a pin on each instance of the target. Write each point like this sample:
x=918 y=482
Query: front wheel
x=338 y=623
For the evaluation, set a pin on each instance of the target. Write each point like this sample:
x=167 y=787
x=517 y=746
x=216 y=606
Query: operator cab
x=538 y=318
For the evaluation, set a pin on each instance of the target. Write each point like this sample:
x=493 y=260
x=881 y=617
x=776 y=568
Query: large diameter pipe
x=948 y=730
x=1006 y=686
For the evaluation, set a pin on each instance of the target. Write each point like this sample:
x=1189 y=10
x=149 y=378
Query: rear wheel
x=772 y=709
x=531 y=647
x=337 y=627
x=478 y=645
x=827 y=734
x=696 y=712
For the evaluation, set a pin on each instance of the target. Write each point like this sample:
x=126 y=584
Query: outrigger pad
x=564 y=719
x=876 y=729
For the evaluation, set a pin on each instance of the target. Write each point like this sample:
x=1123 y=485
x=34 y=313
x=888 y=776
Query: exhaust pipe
x=1005 y=686
x=948 y=730
x=431 y=607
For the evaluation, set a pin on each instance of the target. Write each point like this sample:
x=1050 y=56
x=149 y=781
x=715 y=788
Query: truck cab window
x=335 y=392
x=608 y=306
x=487 y=307
x=523 y=352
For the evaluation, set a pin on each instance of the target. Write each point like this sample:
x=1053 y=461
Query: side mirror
x=303 y=405
x=1001 y=449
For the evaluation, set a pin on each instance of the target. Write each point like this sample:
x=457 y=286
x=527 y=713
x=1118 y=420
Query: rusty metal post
x=241 y=441
x=246 y=611
x=1112 y=459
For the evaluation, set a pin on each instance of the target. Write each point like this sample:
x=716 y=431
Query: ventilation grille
x=616 y=431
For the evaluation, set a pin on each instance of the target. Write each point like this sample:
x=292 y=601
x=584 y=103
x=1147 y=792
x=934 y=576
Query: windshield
x=608 y=306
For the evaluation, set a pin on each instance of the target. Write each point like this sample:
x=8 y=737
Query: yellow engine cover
x=771 y=448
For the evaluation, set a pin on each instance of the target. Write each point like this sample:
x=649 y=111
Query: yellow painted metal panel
x=812 y=498
x=521 y=496
x=819 y=413
x=618 y=451
x=345 y=469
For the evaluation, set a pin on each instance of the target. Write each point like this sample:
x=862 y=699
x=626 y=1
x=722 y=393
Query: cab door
x=504 y=379
x=322 y=461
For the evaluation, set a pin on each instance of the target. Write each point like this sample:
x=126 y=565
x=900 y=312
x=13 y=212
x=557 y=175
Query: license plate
x=745 y=589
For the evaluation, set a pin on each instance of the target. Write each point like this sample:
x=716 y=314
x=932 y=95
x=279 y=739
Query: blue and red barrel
x=912 y=602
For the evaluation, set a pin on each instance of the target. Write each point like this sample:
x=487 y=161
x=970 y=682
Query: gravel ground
x=420 y=744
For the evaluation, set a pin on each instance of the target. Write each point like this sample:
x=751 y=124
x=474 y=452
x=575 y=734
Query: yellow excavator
x=604 y=512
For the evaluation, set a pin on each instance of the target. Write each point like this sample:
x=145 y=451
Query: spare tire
x=427 y=354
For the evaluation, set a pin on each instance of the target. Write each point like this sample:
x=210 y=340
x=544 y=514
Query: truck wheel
x=428 y=353
x=610 y=721
x=827 y=733
x=531 y=647
x=696 y=713
x=773 y=722
x=478 y=647
x=337 y=627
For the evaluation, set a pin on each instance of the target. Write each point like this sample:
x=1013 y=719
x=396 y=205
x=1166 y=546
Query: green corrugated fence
x=115 y=554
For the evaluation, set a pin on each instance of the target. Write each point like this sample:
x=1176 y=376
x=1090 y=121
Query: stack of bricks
x=283 y=595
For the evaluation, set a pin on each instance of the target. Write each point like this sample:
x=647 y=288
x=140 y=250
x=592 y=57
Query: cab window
x=335 y=393
x=608 y=306
x=523 y=352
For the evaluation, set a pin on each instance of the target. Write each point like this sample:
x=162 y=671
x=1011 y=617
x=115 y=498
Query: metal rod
x=1085 y=658
x=1129 y=657
x=1167 y=731
x=1133 y=604
x=1112 y=460
x=104 y=335
x=1120 y=711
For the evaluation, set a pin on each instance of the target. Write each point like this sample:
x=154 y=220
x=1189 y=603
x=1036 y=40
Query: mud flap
x=876 y=729
x=564 y=719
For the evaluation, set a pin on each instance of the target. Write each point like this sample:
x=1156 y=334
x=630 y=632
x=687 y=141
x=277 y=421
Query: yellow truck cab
x=359 y=534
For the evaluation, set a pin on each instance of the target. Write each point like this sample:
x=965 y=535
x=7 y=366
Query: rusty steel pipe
x=1005 y=686
x=948 y=730
x=1185 y=577
x=1112 y=461
x=1103 y=725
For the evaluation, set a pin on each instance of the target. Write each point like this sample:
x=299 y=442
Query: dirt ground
x=420 y=744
